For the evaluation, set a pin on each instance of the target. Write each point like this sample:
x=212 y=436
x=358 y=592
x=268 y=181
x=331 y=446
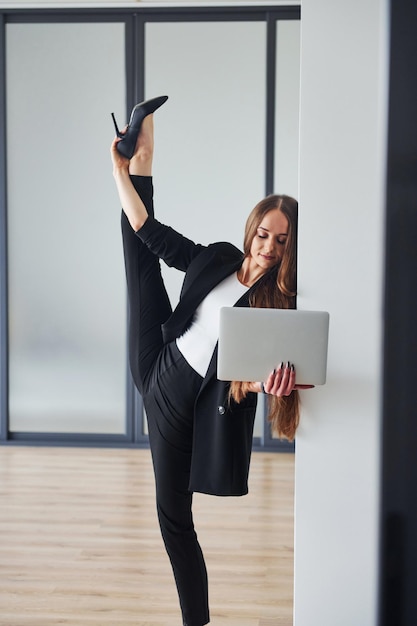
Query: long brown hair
x=276 y=289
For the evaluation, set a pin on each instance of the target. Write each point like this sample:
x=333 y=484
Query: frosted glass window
x=210 y=135
x=287 y=107
x=66 y=279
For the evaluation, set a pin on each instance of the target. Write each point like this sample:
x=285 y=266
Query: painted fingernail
x=288 y=364
x=292 y=367
x=281 y=365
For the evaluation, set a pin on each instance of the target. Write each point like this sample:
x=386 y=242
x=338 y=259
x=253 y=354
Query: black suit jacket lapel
x=211 y=272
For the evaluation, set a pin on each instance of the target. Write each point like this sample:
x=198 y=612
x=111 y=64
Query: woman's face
x=269 y=241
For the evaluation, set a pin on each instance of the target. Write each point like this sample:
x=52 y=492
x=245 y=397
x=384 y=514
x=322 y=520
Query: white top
x=198 y=342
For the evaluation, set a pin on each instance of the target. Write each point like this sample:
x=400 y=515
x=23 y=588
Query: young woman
x=200 y=428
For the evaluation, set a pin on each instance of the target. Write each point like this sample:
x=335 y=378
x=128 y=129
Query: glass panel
x=287 y=107
x=66 y=277
x=210 y=135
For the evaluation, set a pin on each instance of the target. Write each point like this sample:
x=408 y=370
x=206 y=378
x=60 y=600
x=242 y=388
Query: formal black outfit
x=200 y=441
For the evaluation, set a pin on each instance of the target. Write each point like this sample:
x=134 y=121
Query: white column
x=342 y=155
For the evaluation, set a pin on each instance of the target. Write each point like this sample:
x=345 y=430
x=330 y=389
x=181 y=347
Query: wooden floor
x=80 y=543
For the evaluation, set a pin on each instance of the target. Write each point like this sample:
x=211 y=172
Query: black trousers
x=169 y=387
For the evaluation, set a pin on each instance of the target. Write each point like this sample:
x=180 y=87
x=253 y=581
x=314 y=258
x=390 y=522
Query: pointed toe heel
x=126 y=147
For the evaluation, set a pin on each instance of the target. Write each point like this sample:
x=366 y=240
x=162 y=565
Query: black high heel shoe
x=127 y=145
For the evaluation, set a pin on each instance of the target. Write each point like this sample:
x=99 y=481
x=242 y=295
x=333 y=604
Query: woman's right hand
x=130 y=200
x=119 y=161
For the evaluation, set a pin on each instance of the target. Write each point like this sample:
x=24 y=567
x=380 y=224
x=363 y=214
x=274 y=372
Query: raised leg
x=141 y=162
x=149 y=305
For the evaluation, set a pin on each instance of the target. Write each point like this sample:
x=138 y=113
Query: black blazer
x=223 y=429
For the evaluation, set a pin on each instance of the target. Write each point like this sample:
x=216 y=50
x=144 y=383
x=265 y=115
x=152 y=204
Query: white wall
x=343 y=105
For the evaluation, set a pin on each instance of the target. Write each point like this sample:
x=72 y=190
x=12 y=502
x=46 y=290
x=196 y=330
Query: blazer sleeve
x=169 y=245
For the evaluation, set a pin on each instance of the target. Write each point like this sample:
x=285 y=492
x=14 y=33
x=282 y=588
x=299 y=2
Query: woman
x=200 y=428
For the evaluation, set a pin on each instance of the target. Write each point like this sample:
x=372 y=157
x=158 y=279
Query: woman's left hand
x=281 y=382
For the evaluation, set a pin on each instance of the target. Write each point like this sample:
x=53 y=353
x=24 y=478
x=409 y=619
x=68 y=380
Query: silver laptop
x=252 y=342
